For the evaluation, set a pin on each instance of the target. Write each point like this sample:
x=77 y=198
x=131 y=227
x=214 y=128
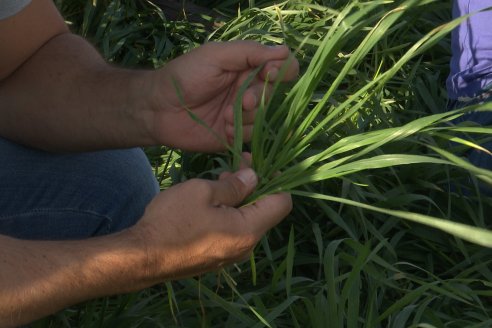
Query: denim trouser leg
x=67 y=196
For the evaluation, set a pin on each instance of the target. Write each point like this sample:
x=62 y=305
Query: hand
x=209 y=78
x=195 y=227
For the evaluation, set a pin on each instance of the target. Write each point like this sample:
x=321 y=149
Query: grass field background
x=329 y=264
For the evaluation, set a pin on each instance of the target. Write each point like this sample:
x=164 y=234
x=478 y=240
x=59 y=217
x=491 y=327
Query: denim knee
x=66 y=196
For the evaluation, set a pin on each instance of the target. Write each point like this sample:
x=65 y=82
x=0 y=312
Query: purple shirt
x=471 y=43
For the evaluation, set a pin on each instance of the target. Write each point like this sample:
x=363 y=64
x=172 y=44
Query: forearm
x=38 y=278
x=66 y=97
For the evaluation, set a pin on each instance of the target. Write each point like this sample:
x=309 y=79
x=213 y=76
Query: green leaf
x=466 y=232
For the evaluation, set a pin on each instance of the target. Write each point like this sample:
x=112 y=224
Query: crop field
x=391 y=226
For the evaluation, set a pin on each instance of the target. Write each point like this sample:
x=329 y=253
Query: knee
x=132 y=185
x=73 y=195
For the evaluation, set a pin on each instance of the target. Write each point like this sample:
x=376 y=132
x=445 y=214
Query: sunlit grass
x=285 y=130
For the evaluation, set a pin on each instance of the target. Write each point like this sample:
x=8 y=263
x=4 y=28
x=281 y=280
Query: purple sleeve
x=471 y=43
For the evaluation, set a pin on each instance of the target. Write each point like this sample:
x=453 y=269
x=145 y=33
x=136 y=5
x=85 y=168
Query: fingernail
x=247 y=176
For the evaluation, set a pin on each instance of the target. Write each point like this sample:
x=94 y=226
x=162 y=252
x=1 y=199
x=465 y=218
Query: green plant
x=331 y=264
x=285 y=130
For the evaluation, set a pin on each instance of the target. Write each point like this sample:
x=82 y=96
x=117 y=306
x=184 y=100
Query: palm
x=207 y=86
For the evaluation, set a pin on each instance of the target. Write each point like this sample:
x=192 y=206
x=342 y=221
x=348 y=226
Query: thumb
x=233 y=189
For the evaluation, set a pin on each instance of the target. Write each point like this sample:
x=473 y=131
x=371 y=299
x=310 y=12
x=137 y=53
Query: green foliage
x=366 y=130
x=131 y=33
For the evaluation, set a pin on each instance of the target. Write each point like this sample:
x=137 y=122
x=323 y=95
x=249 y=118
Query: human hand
x=196 y=226
x=209 y=78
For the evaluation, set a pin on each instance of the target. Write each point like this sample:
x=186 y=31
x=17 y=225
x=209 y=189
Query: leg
x=67 y=196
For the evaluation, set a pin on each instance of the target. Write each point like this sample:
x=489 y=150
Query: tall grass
x=284 y=130
x=364 y=133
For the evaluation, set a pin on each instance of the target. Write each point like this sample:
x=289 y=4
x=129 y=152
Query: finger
x=242 y=55
x=247 y=160
x=229 y=115
x=248 y=116
x=225 y=175
x=233 y=189
x=273 y=69
x=254 y=94
x=247 y=133
x=267 y=212
x=229 y=131
x=250 y=98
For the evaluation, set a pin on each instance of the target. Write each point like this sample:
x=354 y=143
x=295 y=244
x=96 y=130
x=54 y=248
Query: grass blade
x=469 y=233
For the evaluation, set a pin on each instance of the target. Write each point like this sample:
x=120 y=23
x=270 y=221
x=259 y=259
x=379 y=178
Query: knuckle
x=199 y=186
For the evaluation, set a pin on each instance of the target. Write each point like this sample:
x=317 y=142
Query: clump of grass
x=285 y=130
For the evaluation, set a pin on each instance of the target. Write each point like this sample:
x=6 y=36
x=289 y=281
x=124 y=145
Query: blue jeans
x=70 y=196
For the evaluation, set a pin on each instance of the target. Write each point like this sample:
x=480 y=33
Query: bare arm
x=38 y=278
x=57 y=92
x=65 y=97
x=178 y=236
x=24 y=33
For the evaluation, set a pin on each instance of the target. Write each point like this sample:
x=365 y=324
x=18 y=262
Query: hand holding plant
x=195 y=227
x=209 y=78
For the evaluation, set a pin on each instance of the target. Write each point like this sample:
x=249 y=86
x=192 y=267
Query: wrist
x=113 y=264
x=136 y=264
x=141 y=106
x=144 y=268
x=159 y=114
